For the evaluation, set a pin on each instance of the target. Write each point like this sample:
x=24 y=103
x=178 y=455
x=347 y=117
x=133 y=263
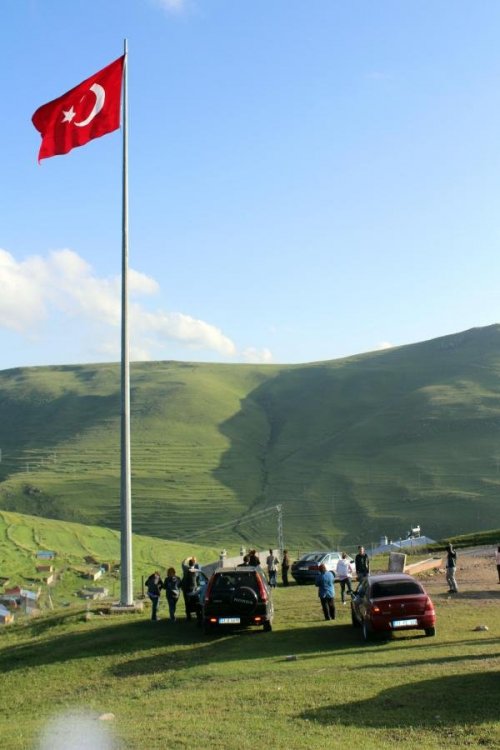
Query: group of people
x=189 y=585
x=272 y=565
x=192 y=587
x=325 y=580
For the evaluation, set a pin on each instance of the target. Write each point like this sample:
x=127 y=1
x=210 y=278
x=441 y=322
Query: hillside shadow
x=310 y=433
x=441 y=701
x=145 y=647
x=280 y=440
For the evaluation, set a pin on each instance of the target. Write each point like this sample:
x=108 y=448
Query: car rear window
x=394 y=588
x=312 y=557
x=226 y=581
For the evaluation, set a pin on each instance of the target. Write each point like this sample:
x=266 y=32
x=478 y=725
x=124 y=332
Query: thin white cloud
x=21 y=298
x=172 y=6
x=257 y=356
x=63 y=282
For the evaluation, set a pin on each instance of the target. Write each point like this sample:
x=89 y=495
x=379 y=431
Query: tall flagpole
x=125 y=480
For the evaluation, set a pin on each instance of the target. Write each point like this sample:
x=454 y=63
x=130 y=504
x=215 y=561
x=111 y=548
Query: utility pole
x=281 y=541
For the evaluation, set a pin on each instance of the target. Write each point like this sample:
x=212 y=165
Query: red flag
x=88 y=111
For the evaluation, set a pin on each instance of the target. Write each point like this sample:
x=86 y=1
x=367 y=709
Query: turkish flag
x=88 y=111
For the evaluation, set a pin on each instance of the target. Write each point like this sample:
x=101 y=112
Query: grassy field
x=353 y=449
x=169 y=686
x=22 y=536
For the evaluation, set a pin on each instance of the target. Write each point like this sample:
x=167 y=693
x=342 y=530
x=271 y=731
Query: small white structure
x=45 y=554
x=93 y=593
x=403 y=544
x=6 y=617
x=94 y=575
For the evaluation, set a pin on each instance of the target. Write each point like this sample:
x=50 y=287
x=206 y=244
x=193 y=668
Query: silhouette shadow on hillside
x=342 y=443
x=143 y=647
x=432 y=703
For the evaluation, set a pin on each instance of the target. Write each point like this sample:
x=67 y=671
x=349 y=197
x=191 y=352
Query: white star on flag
x=68 y=114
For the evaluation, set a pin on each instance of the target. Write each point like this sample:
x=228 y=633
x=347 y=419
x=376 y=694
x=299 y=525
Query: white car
x=306 y=569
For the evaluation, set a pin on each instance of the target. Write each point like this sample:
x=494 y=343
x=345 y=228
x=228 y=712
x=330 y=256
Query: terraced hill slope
x=352 y=448
x=22 y=536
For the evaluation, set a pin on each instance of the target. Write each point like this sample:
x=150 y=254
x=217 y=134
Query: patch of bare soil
x=476 y=575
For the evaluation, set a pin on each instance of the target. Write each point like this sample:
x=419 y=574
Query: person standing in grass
x=172 y=586
x=154 y=585
x=362 y=563
x=451 y=567
x=285 y=567
x=344 y=573
x=272 y=563
x=497 y=560
x=326 y=591
x=190 y=584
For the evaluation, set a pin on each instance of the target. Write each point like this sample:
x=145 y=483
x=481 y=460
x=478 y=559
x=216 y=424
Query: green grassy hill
x=21 y=537
x=352 y=448
x=309 y=684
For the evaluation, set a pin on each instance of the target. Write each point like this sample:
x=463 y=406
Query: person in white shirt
x=344 y=575
x=272 y=563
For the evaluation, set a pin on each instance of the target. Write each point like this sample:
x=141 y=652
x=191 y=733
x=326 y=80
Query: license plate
x=229 y=620
x=403 y=623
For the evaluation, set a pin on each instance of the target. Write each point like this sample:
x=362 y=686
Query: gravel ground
x=477 y=576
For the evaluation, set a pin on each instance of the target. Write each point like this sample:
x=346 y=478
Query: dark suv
x=238 y=597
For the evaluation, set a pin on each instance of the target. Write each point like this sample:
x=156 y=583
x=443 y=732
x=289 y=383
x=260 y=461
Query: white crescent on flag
x=100 y=96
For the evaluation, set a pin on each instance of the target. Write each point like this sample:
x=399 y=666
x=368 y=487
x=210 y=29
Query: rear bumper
x=384 y=624
x=212 y=616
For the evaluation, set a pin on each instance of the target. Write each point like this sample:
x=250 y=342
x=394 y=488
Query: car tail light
x=209 y=590
x=257 y=619
x=374 y=609
x=429 y=606
x=262 y=588
x=213 y=620
x=313 y=567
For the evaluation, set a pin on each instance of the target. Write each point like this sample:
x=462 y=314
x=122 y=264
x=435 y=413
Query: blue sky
x=308 y=180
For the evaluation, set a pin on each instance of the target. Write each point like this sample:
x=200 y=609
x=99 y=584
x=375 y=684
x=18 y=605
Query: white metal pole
x=125 y=481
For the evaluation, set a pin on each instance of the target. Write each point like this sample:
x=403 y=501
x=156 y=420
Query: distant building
x=45 y=568
x=93 y=592
x=19 y=598
x=14 y=591
x=402 y=544
x=11 y=600
x=93 y=575
x=6 y=617
x=45 y=554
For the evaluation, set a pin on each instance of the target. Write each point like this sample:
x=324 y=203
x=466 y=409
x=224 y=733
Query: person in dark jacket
x=362 y=564
x=190 y=585
x=172 y=585
x=326 y=591
x=451 y=567
x=154 y=585
x=253 y=558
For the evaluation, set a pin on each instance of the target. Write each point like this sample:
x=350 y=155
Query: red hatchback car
x=390 y=602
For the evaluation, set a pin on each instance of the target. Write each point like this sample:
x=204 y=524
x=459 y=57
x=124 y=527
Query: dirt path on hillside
x=477 y=577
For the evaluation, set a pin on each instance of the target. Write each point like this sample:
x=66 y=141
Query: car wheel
x=430 y=631
x=367 y=631
x=356 y=623
x=268 y=626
